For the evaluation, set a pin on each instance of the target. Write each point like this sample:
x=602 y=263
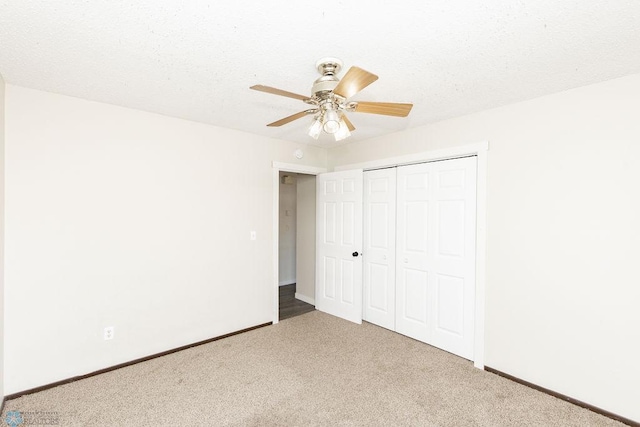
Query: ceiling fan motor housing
x=325 y=84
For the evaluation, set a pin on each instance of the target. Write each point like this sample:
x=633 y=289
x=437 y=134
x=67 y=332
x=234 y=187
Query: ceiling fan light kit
x=343 y=132
x=316 y=128
x=329 y=99
x=331 y=121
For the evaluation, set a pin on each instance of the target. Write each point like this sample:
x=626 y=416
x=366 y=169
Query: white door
x=435 y=272
x=339 y=244
x=413 y=287
x=380 y=247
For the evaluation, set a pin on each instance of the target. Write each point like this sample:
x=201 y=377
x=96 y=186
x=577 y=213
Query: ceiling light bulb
x=343 y=131
x=315 y=129
x=331 y=121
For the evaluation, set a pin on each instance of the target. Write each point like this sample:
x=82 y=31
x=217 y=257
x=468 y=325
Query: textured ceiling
x=197 y=59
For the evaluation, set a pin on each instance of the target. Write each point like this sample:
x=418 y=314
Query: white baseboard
x=306 y=299
x=286 y=282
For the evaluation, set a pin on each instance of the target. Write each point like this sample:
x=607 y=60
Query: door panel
x=329 y=270
x=379 y=247
x=412 y=251
x=450 y=218
x=378 y=288
x=339 y=234
x=415 y=232
x=435 y=273
x=450 y=304
x=454 y=191
x=348 y=227
x=348 y=290
x=415 y=296
x=330 y=222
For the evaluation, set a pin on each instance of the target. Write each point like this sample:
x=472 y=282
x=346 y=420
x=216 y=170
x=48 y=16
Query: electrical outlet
x=109 y=332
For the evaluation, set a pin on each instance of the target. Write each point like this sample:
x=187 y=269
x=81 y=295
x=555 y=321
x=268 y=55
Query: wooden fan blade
x=291 y=118
x=384 y=108
x=354 y=81
x=280 y=92
x=350 y=125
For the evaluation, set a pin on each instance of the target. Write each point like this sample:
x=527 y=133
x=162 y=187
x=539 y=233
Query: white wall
x=306 y=238
x=2 y=104
x=287 y=231
x=563 y=230
x=117 y=217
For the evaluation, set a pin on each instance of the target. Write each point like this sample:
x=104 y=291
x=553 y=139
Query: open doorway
x=297 y=169
x=296 y=244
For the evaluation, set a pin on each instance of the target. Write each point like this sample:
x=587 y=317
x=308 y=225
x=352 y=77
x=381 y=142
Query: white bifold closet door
x=380 y=247
x=435 y=272
x=419 y=253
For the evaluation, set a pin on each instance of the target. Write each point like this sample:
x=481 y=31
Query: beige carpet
x=309 y=370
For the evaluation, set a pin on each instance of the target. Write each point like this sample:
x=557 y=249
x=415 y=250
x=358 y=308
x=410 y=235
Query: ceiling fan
x=330 y=100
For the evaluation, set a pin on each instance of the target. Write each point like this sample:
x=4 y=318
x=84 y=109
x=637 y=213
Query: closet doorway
x=396 y=247
x=419 y=252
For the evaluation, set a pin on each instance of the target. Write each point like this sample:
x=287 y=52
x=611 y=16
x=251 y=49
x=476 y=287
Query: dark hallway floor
x=289 y=305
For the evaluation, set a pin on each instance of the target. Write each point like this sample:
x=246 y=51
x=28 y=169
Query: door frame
x=277 y=168
x=479 y=150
